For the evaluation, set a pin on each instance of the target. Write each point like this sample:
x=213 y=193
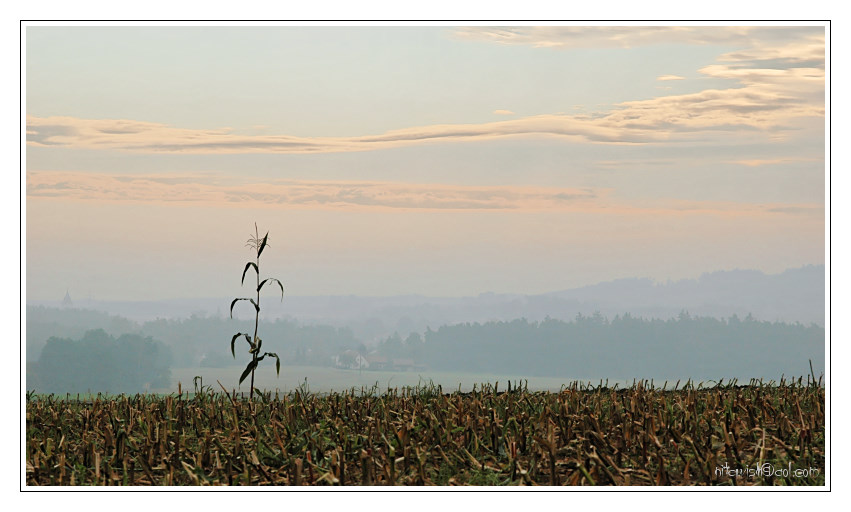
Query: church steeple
x=67 y=302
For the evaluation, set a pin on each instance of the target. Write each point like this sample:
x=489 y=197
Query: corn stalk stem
x=256 y=312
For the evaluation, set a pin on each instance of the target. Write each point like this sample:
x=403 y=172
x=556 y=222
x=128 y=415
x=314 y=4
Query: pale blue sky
x=334 y=81
x=431 y=160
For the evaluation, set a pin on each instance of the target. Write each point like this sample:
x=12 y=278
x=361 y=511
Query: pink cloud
x=299 y=193
x=371 y=195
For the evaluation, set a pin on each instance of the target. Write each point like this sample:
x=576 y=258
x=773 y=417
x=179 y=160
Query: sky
x=433 y=160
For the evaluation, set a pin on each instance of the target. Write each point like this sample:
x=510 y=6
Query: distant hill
x=796 y=295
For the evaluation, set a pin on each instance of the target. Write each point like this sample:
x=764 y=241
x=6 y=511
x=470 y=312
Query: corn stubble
x=583 y=435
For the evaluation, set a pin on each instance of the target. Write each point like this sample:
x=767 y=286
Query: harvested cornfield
x=772 y=434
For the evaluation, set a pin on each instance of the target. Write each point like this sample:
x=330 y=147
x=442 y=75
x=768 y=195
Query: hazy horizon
x=434 y=161
x=794 y=296
x=656 y=282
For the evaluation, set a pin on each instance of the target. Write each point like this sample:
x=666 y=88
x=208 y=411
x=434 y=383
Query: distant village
x=352 y=360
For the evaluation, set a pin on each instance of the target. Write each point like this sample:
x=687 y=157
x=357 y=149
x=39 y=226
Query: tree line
x=625 y=347
x=124 y=356
x=98 y=362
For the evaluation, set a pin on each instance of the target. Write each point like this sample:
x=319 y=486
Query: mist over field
x=737 y=324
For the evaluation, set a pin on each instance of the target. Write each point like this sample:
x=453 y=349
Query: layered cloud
x=776 y=77
x=126 y=135
x=222 y=191
x=769 y=100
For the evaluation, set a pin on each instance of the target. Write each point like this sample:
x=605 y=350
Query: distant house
x=351 y=360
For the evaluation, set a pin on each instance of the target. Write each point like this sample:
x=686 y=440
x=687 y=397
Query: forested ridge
x=627 y=347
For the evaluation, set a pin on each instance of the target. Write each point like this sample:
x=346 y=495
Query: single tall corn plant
x=257 y=244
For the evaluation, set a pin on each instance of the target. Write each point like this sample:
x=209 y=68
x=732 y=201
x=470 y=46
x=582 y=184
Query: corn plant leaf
x=247 y=266
x=232 y=304
x=233 y=341
x=277 y=361
x=272 y=279
x=251 y=366
x=263 y=244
